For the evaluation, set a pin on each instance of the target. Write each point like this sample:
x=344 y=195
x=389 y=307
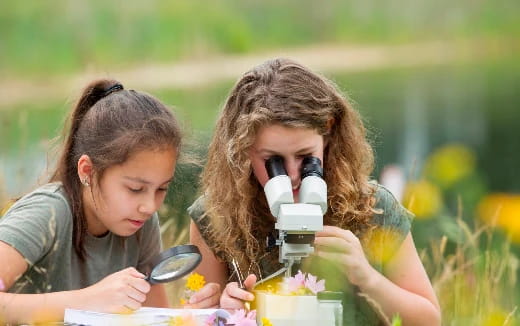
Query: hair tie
x=114 y=88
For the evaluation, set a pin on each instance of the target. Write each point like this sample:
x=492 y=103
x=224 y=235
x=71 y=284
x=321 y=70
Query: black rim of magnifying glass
x=174 y=251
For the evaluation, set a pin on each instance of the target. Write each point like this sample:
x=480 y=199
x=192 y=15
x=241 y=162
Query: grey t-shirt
x=39 y=226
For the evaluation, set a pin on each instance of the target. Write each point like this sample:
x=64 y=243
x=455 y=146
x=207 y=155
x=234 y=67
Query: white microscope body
x=296 y=223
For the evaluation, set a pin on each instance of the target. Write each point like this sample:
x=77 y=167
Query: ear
x=85 y=169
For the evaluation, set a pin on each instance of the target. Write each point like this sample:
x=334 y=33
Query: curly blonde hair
x=282 y=92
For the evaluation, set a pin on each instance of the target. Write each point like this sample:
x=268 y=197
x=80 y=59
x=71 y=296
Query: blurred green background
x=437 y=82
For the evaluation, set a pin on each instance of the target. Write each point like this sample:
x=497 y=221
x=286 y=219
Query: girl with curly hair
x=281 y=108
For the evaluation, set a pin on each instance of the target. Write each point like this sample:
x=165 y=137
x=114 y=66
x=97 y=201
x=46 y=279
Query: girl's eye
x=136 y=190
x=163 y=189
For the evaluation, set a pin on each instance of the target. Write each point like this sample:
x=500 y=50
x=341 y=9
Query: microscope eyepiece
x=275 y=167
x=311 y=166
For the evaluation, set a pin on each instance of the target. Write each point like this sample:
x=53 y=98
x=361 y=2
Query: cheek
x=260 y=172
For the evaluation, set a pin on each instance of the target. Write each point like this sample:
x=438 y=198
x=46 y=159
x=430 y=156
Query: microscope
x=296 y=223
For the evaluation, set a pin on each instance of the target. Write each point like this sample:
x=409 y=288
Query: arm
x=117 y=292
x=213 y=270
x=404 y=290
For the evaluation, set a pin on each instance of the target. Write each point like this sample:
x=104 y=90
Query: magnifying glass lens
x=176 y=265
x=173 y=263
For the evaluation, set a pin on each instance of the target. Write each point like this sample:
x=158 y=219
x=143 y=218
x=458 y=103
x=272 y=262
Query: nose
x=148 y=206
x=293 y=170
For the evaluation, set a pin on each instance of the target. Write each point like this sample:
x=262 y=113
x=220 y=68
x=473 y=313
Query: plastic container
x=330 y=308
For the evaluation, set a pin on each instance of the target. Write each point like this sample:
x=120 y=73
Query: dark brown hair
x=109 y=124
x=283 y=92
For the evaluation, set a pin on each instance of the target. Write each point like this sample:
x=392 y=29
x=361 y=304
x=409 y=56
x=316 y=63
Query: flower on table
x=186 y=319
x=242 y=318
x=210 y=321
x=194 y=282
x=302 y=284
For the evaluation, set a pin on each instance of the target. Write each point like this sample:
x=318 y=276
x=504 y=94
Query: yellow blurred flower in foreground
x=195 y=282
x=496 y=318
x=381 y=244
x=449 y=164
x=503 y=210
x=422 y=198
x=266 y=322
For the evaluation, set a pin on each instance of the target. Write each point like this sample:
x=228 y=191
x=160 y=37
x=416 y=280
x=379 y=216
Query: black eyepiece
x=274 y=166
x=311 y=166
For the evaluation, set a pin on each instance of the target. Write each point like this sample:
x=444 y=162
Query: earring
x=85 y=182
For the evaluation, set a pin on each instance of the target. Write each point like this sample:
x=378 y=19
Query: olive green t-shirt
x=392 y=224
x=39 y=227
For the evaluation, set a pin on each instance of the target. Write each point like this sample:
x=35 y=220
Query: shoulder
x=389 y=211
x=33 y=223
x=197 y=212
x=197 y=209
x=48 y=200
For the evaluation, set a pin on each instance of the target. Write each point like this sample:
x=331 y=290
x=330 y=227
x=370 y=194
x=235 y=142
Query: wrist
x=371 y=281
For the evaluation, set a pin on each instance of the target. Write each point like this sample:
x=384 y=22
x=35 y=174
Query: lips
x=136 y=223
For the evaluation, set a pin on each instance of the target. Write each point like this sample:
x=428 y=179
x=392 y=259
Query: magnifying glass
x=173 y=264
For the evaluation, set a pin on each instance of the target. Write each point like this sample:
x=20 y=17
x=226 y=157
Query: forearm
x=391 y=300
x=32 y=308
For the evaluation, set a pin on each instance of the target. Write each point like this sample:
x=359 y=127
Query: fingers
x=234 y=291
x=331 y=244
x=233 y=297
x=334 y=231
x=207 y=297
x=133 y=272
x=250 y=281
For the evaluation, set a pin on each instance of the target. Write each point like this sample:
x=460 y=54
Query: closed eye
x=135 y=190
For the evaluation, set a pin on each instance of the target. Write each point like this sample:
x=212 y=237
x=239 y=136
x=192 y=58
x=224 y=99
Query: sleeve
x=392 y=224
x=202 y=221
x=150 y=242
x=392 y=214
x=31 y=224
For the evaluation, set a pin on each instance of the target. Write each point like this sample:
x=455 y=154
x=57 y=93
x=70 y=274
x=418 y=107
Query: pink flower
x=210 y=320
x=296 y=282
x=2 y=285
x=240 y=318
x=314 y=286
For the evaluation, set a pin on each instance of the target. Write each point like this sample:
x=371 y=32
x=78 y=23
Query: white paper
x=143 y=316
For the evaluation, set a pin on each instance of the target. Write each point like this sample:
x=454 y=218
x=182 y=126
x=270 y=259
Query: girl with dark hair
x=81 y=240
x=365 y=250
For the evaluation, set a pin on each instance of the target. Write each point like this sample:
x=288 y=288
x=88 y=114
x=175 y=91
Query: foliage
x=60 y=36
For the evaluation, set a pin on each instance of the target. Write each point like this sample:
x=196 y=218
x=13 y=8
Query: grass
x=60 y=36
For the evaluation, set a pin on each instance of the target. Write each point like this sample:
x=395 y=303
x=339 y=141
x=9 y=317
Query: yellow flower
x=183 y=301
x=195 y=282
x=495 y=318
x=449 y=164
x=422 y=198
x=381 y=244
x=504 y=211
x=266 y=322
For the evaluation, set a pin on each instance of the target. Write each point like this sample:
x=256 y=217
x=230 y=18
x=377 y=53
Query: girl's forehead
x=277 y=137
